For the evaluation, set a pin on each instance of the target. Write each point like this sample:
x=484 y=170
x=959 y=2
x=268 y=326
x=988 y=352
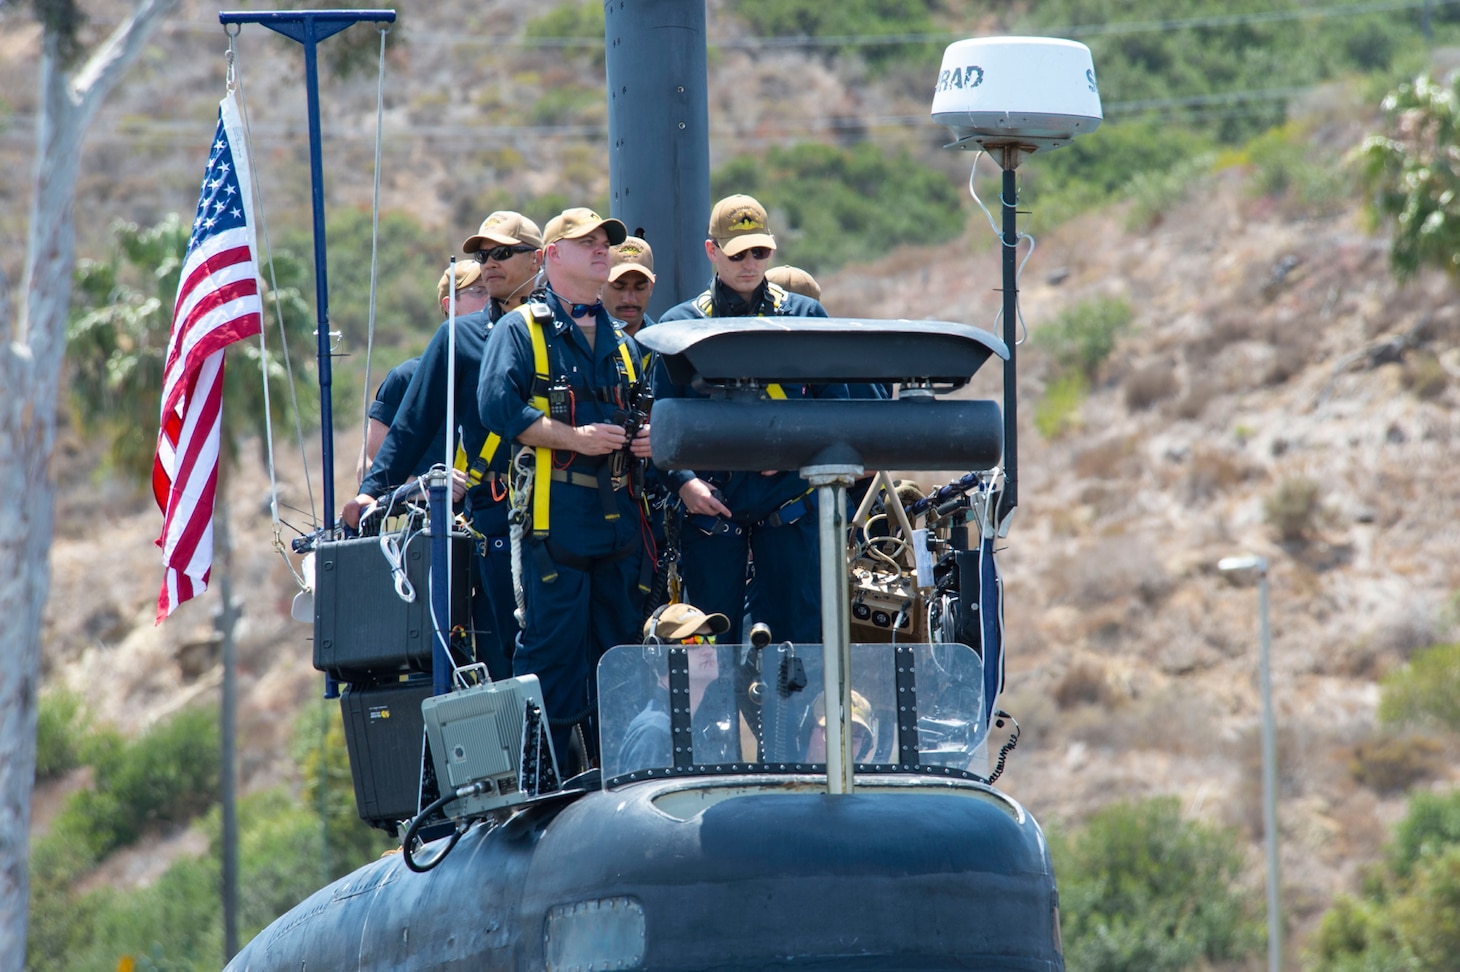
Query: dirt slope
x=1267 y=348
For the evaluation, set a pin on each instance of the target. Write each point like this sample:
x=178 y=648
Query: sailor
x=630 y=284
x=732 y=517
x=647 y=740
x=471 y=296
x=508 y=248
x=559 y=377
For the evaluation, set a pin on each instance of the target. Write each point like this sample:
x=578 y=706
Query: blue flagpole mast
x=309 y=27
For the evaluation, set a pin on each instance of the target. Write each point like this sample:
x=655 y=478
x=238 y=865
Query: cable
x=999 y=716
x=420 y=818
x=1018 y=273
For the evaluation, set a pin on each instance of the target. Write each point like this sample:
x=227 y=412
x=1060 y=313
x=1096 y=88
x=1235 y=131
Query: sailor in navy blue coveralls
x=734 y=517
x=471 y=296
x=583 y=580
x=422 y=417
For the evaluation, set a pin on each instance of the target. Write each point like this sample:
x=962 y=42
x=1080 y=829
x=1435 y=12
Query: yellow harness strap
x=539 y=316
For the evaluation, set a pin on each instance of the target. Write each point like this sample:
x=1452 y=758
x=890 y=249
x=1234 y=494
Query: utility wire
x=167 y=131
x=887 y=40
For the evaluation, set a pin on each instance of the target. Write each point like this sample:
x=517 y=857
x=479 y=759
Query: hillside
x=1269 y=348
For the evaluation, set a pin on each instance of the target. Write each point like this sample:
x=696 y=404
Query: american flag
x=217 y=303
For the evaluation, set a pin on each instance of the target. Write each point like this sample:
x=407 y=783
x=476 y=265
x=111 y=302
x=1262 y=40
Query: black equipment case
x=363 y=630
x=384 y=733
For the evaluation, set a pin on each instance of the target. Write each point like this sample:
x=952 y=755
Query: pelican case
x=384 y=732
x=363 y=629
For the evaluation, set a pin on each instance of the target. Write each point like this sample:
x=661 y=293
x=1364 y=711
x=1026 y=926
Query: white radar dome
x=1029 y=93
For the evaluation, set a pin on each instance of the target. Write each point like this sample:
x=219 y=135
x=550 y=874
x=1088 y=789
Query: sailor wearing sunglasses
x=508 y=254
x=731 y=518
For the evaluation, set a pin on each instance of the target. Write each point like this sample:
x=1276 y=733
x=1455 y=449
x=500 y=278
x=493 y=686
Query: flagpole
x=309 y=27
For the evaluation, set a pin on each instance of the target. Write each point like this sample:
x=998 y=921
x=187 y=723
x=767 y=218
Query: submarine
x=833 y=805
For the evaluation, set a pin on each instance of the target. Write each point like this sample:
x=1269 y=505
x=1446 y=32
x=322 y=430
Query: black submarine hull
x=722 y=873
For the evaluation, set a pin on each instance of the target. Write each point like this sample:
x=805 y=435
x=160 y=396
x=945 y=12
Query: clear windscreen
x=762 y=711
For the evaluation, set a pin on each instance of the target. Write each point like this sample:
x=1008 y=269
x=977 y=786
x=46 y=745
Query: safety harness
x=546 y=555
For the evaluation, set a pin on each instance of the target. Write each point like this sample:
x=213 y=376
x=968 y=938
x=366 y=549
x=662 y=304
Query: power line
x=888 y=40
x=175 y=131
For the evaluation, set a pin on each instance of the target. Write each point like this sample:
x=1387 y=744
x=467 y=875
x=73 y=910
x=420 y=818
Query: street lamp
x=1269 y=756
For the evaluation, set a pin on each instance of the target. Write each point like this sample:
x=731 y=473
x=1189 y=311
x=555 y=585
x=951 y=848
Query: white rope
x=522 y=474
x=374 y=242
x=392 y=548
x=234 y=82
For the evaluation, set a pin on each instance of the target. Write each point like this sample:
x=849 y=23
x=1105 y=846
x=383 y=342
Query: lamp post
x=1269 y=755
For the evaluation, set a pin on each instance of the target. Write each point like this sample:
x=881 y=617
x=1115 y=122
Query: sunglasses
x=499 y=253
x=759 y=252
x=698 y=640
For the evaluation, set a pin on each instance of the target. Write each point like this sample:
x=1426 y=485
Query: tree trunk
x=30 y=366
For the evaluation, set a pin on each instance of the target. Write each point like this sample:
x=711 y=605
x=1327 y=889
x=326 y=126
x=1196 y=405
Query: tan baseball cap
x=580 y=221
x=631 y=256
x=677 y=621
x=504 y=228
x=468 y=272
x=796 y=280
x=738 y=223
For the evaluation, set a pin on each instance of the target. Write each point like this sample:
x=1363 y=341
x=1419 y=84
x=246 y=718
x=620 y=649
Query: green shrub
x=1081 y=338
x=1154 y=193
x=830 y=204
x=1427 y=918
x=1357 y=936
x=1140 y=888
x=170 y=773
x=1431 y=826
x=1425 y=691
x=1425 y=376
x=328 y=789
x=1409 y=915
x=60 y=728
x=284 y=854
x=1182 y=72
x=1391 y=764
x=1292 y=510
x=573 y=21
x=1057 y=410
x=177 y=922
x=848 y=18
x=1110 y=163
x=167 y=776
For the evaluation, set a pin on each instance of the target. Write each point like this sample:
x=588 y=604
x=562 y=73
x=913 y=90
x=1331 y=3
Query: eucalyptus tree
x=71 y=86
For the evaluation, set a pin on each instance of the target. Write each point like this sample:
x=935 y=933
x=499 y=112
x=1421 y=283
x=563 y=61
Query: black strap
x=681 y=730
x=605 y=491
x=554 y=553
x=788 y=512
x=907 y=711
